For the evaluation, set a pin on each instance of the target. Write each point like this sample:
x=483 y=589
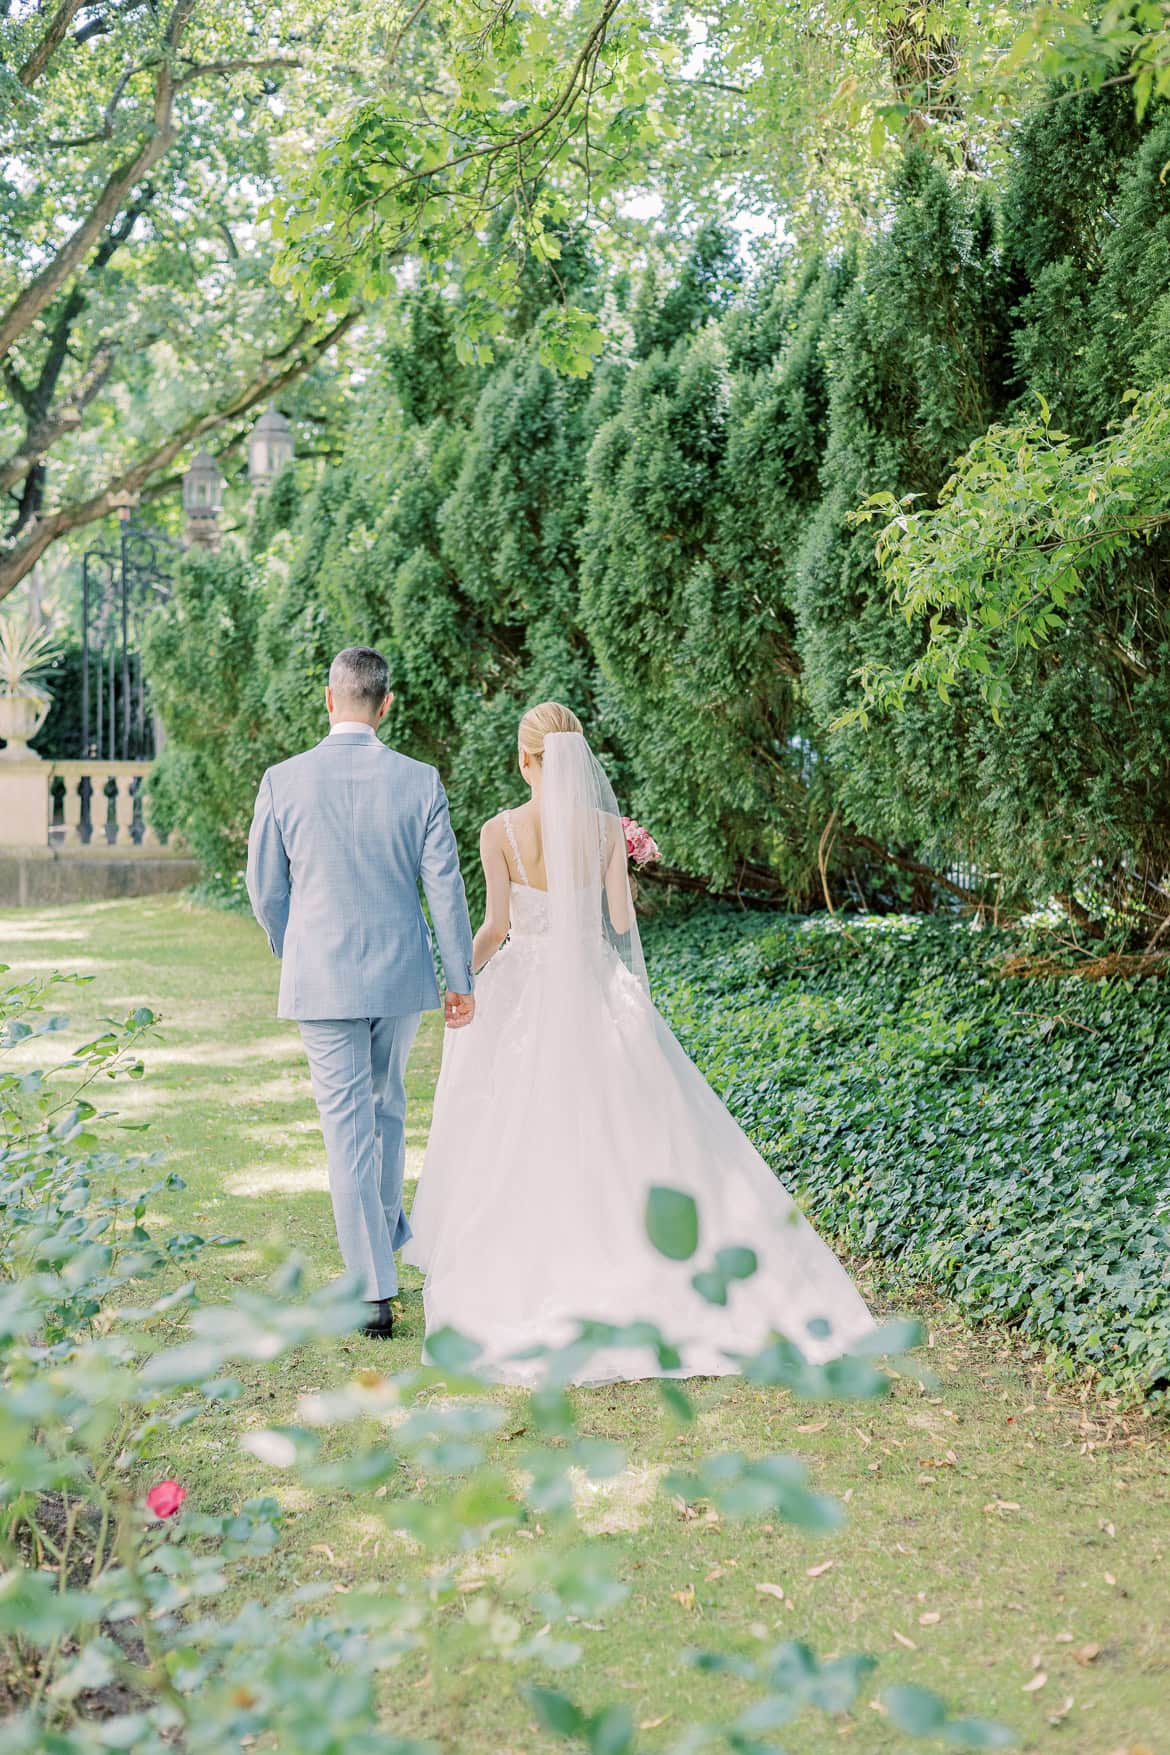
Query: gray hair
x=361 y=675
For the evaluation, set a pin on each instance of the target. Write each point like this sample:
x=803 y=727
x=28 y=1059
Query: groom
x=340 y=839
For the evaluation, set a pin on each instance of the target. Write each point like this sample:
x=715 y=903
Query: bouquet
x=641 y=846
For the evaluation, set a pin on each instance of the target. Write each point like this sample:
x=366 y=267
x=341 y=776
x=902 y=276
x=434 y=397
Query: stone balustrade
x=86 y=808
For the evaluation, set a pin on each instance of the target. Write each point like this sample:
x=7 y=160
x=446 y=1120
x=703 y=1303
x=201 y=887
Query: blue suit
x=340 y=839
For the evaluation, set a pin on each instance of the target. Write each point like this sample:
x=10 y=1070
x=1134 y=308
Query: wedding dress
x=559 y=1108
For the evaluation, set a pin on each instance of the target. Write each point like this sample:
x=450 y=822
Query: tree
x=696 y=483
x=674 y=545
x=707 y=107
x=136 y=313
x=1036 y=578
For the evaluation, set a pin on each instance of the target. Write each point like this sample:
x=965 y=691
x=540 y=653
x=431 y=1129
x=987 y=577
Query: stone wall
x=40 y=881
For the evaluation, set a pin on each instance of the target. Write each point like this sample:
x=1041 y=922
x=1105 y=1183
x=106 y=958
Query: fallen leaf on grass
x=1084 y=1654
x=652 y=1724
x=1037 y=1682
x=818 y=1571
x=1109 y=1578
x=771 y=1590
x=813 y=1426
x=323 y=1548
x=715 y=1572
x=686 y=1597
x=930 y=1619
x=1001 y=1505
x=903 y=1640
x=1062 y=1711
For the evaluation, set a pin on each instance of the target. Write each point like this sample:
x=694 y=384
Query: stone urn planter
x=21 y=717
x=26 y=653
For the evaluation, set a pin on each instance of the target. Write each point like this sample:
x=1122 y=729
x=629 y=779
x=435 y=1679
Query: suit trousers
x=358 y=1068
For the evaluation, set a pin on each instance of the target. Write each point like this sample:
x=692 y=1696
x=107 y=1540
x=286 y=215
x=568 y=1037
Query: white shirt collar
x=352 y=725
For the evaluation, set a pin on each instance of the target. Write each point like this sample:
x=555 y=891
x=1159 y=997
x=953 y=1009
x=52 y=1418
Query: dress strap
x=508 y=830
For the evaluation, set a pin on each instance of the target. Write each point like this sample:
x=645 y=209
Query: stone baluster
x=124 y=811
x=99 y=807
x=71 y=813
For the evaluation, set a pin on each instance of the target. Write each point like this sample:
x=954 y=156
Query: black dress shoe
x=380 y=1327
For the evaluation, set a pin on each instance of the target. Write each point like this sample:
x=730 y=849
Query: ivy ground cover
x=1004 y=1139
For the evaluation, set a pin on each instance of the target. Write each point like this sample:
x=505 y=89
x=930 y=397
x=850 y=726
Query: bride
x=568 y=1099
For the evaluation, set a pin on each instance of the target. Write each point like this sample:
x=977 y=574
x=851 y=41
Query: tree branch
x=238 y=66
x=916 y=867
x=107 y=127
x=23 y=555
x=391 y=55
x=43 y=428
x=42 y=435
x=28 y=305
x=17 y=388
x=49 y=43
x=497 y=149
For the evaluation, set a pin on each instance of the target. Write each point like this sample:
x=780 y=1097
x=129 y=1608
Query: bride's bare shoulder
x=494 y=832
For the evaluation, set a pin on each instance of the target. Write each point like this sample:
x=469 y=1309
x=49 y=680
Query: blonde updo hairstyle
x=540 y=721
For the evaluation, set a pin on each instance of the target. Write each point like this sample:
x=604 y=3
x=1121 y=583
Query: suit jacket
x=340 y=839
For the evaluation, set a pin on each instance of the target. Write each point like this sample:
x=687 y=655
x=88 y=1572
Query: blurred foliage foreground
x=113 y=1633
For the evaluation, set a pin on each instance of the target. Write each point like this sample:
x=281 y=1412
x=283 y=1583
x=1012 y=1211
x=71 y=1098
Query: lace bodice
x=529 y=909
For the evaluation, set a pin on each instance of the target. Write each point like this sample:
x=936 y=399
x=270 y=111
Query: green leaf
x=555 y=1712
x=611 y=1731
x=914 y=1710
x=676 y=1400
x=737 y=1262
x=451 y=1351
x=33 y=1608
x=672 y=1223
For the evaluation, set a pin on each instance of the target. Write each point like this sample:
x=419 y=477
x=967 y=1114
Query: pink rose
x=641 y=846
x=165 y=1498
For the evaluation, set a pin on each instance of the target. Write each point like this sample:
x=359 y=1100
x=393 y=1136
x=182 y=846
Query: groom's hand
x=458 y=1009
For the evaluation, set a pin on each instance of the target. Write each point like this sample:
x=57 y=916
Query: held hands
x=458 y=1009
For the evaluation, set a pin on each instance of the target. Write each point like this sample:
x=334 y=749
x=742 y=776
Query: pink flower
x=165 y=1498
x=641 y=846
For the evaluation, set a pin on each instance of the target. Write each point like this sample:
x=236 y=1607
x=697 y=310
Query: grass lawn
x=1007 y=1543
